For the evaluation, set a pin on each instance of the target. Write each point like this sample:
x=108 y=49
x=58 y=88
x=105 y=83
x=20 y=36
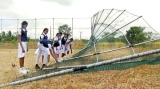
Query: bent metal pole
x=82 y=67
x=114 y=49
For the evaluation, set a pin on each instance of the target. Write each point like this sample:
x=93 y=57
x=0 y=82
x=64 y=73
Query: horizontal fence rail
x=36 y=26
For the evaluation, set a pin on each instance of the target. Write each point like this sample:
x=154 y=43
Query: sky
x=31 y=9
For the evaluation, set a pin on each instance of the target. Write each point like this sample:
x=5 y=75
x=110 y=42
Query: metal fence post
x=72 y=27
x=17 y=24
x=35 y=29
x=53 y=28
x=50 y=32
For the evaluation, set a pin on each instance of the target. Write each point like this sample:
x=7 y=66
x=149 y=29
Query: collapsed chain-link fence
x=148 y=58
x=111 y=46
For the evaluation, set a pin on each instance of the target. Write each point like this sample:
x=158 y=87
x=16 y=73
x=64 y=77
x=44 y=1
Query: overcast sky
x=22 y=9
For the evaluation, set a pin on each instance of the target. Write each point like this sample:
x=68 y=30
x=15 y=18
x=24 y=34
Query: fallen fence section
x=78 y=68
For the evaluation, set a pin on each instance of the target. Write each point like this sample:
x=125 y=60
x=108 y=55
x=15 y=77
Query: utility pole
x=50 y=33
x=80 y=34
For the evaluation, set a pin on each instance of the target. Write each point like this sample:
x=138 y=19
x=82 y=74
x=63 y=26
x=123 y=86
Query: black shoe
x=37 y=67
x=44 y=66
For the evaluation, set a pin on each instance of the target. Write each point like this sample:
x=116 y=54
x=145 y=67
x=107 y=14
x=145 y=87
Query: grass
x=141 y=77
x=33 y=45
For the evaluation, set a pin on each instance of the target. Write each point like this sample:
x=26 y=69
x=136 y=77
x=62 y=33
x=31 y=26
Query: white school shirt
x=58 y=39
x=20 y=31
x=68 y=43
x=42 y=35
x=50 y=46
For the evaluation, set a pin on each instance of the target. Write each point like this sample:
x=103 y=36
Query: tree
x=8 y=36
x=109 y=37
x=2 y=36
x=65 y=29
x=136 y=35
x=3 y=33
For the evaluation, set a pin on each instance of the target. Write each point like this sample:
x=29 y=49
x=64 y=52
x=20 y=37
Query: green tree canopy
x=136 y=35
x=112 y=37
x=65 y=29
x=9 y=36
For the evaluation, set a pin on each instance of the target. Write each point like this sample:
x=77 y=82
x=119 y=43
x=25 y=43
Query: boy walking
x=22 y=46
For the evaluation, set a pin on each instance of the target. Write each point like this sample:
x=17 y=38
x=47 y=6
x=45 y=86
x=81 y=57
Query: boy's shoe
x=60 y=59
x=67 y=57
x=44 y=66
x=37 y=67
x=27 y=71
x=23 y=71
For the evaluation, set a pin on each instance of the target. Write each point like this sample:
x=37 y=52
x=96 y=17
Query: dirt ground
x=142 y=77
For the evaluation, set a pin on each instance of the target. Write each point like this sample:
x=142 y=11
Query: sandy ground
x=142 y=77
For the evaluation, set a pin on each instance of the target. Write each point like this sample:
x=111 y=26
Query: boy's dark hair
x=71 y=39
x=45 y=29
x=57 y=34
x=66 y=34
x=56 y=44
x=24 y=23
x=60 y=33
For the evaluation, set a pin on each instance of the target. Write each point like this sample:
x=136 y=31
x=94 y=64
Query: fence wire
x=36 y=26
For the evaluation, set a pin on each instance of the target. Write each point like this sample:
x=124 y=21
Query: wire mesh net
x=121 y=65
x=115 y=29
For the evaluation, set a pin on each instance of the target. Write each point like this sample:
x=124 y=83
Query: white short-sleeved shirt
x=68 y=42
x=20 y=31
x=50 y=46
x=42 y=35
x=58 y=39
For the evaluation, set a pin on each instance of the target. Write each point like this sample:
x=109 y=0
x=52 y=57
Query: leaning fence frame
x=114 y=49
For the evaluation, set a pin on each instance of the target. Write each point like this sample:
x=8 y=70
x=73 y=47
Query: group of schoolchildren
x=61 y=45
